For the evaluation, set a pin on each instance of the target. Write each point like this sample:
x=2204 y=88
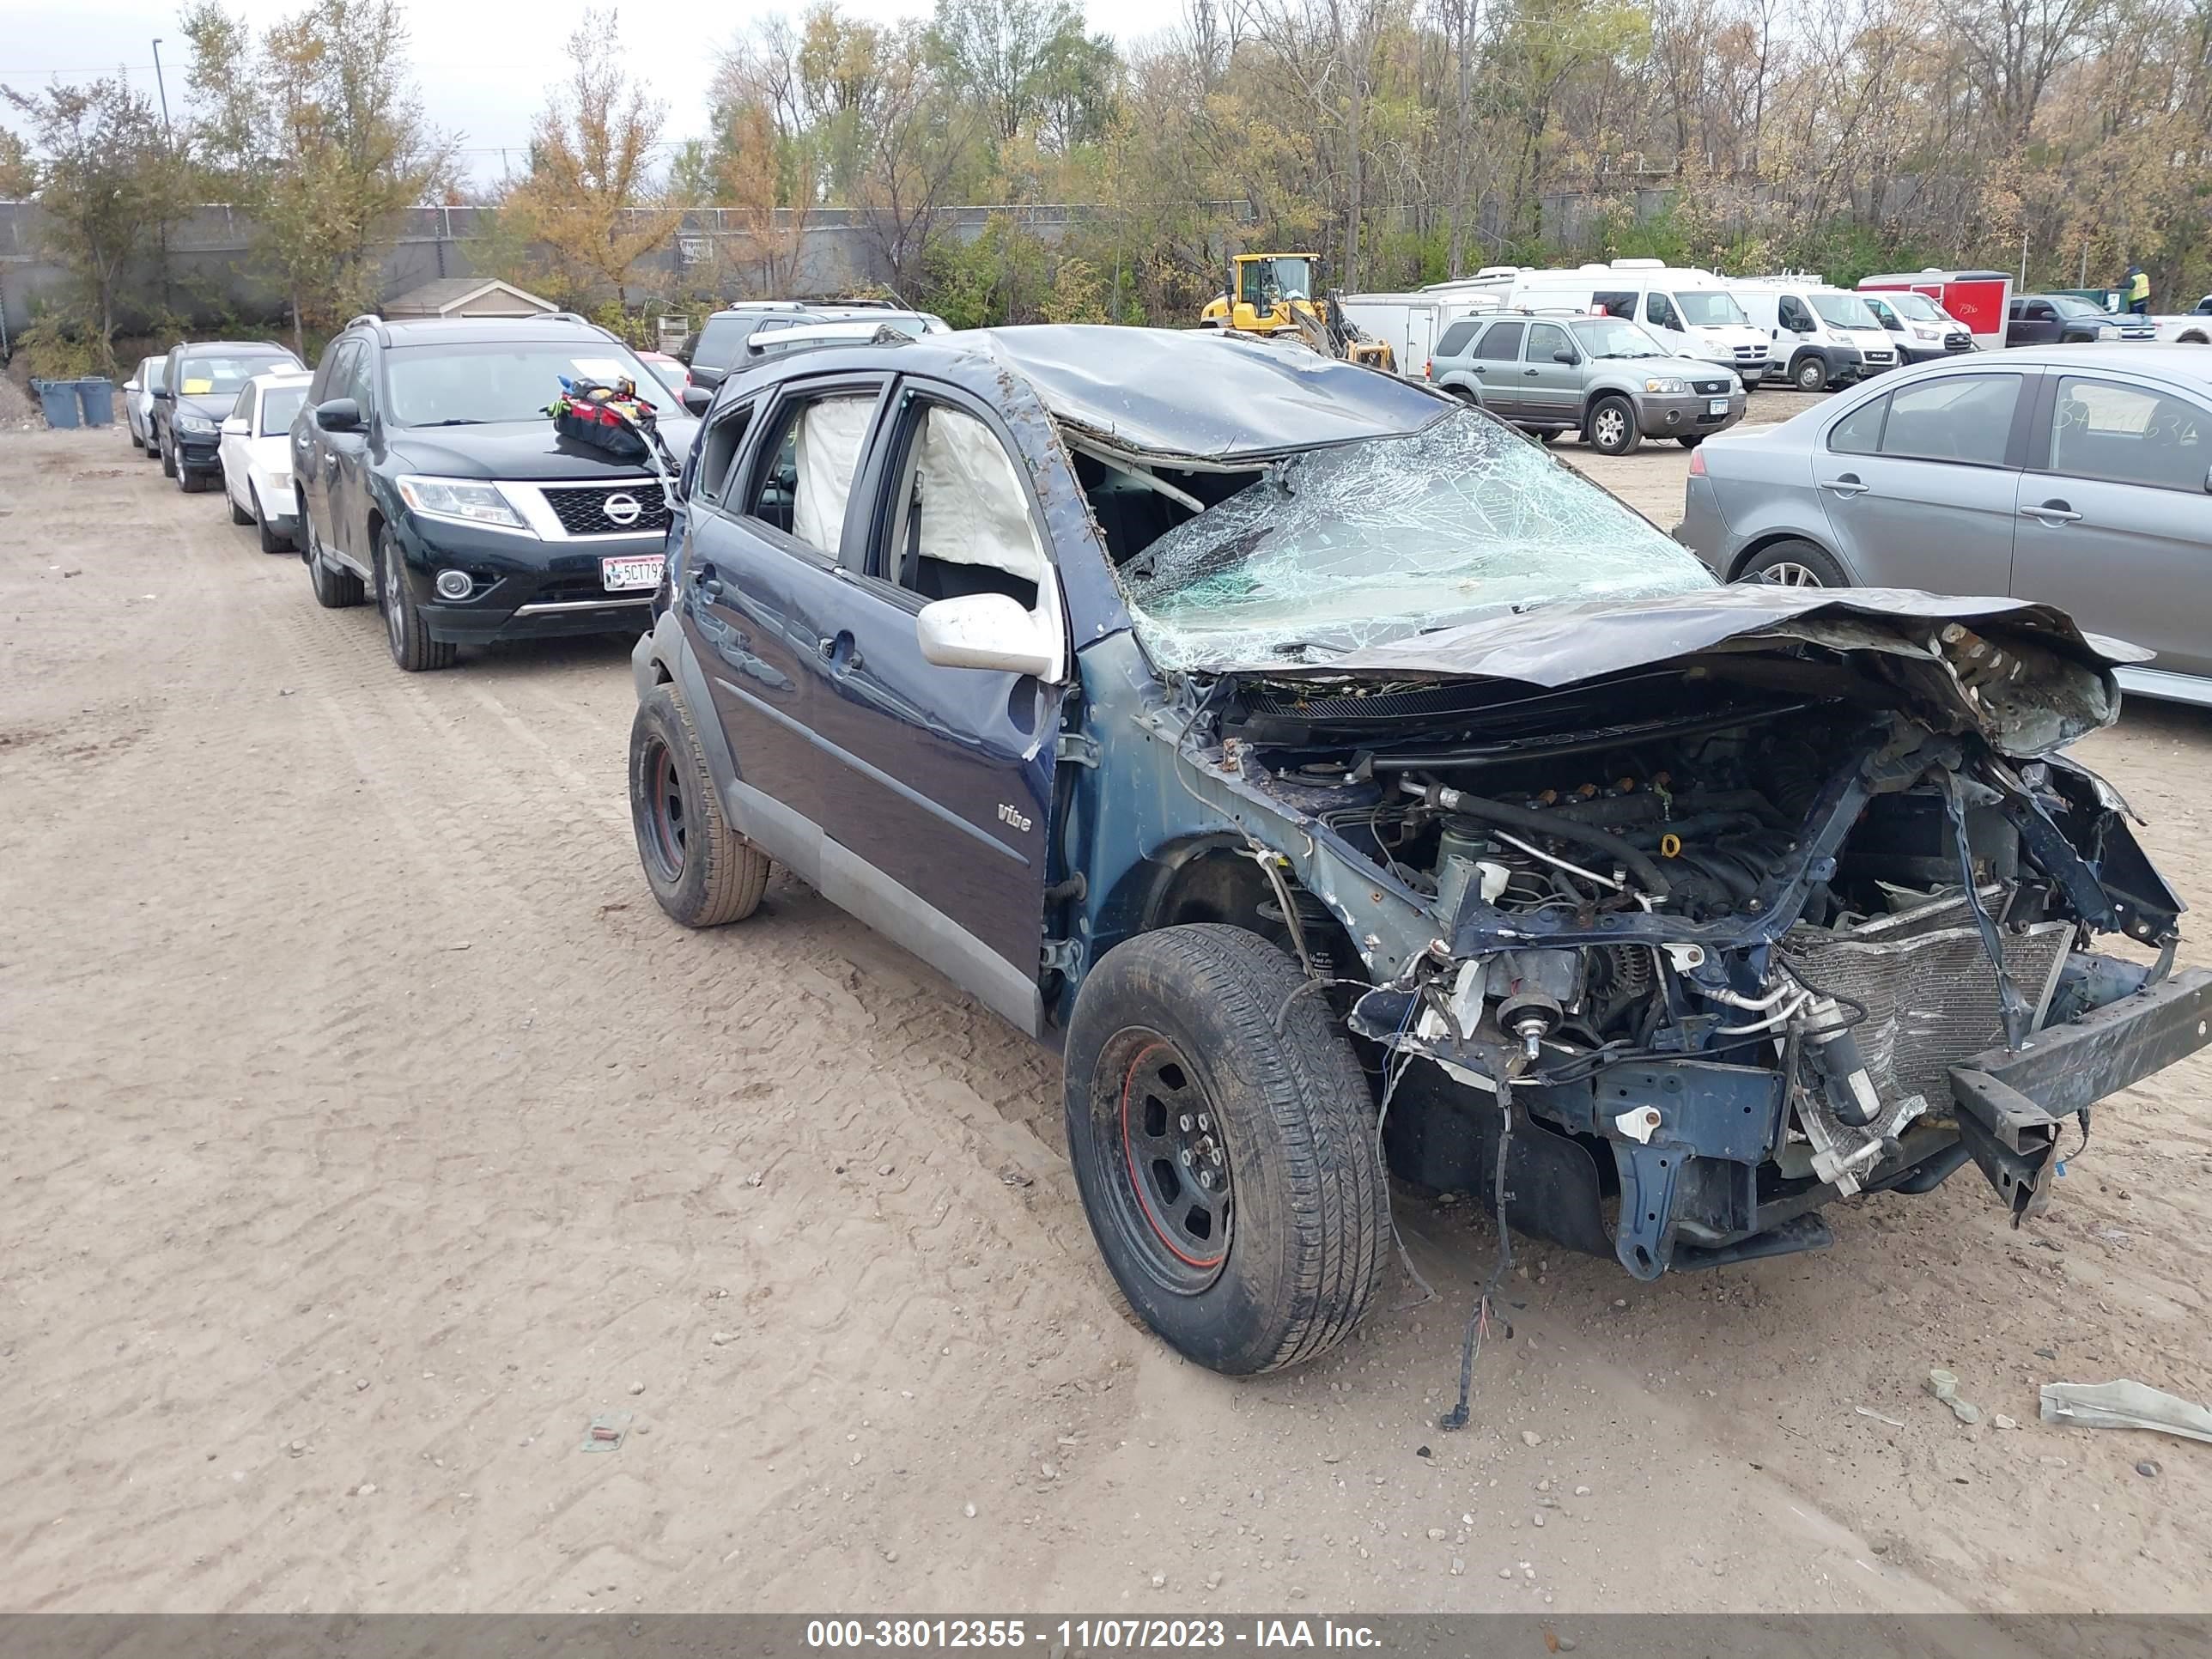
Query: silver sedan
x=2079 y=476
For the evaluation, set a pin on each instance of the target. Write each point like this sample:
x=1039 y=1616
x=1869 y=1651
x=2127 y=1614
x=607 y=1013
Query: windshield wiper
x=457 y=420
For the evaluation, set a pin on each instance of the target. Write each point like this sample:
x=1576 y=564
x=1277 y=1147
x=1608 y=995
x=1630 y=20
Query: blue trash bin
x=58 y=399
x=96 y=395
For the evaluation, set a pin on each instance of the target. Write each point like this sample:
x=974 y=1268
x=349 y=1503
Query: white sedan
x=256 y=453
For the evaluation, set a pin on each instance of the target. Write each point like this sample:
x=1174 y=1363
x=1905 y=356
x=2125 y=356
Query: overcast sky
x=483 y=65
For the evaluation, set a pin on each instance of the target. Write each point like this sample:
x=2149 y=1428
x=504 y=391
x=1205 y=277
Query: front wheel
x=1810 y=374
x=1690 y=440
x=1795 y=564
x=703 y=873
x=1224 y=1140
x=1611 y=428
x=168 y=455
x=404 y=630
x=238 y=514
x=336 y=587
x=270 y=541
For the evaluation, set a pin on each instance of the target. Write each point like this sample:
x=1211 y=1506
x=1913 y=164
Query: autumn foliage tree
x=315 y=129
x=593 y=204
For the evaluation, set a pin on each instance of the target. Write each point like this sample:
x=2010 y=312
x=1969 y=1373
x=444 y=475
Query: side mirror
x=162 y=394
x=1566 y=357
x=236 y=426
x=132 y=385
x=338 y=415
x=697 y=399
x=986 y=630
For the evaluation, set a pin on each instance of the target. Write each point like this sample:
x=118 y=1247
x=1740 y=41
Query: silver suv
x=1603 y=377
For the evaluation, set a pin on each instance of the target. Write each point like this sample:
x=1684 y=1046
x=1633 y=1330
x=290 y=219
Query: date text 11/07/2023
x=1088 y=1635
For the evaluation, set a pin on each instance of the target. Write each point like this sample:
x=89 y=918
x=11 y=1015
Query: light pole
x=164 y=86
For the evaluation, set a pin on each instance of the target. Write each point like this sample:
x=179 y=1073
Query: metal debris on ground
x=1868 y=1410
x=607 y=1432
x=2125 y=1405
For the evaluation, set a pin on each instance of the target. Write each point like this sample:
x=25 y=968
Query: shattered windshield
x=1348 y=547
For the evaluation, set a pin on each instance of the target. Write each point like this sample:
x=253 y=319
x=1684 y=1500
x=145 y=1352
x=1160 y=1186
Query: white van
x=1821 y=336
x=1411 y=323
x=1689 y=310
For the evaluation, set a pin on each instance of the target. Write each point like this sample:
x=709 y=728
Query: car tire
x=192 y=483
x=1795 y=564
x=238 y=514
x=1610 y=427
x=1205 y=1026
x=1809 y=373
x=270 y=541
x=1546 y=435
x=168 y=455
x=2195 y=337
x=404 y=630
x=1690 y=440
x=136 y=442
x=703 y=873
x=336 y=587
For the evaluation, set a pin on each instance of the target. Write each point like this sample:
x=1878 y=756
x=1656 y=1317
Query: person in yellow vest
x=2138 y=291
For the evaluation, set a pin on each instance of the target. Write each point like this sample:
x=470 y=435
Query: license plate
x=627 y=575
x=1717 y=406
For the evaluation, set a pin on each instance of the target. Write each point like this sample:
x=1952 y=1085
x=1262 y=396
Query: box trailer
x=1411 y=323
x=1979 y=299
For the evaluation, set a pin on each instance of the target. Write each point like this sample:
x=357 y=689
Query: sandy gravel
x=368 y=1130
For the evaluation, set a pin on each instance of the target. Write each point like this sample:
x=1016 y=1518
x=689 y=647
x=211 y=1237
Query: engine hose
x=1639 y=864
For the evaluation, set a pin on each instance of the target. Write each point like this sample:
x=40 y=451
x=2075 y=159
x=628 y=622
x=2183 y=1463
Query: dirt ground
x=369 y=1130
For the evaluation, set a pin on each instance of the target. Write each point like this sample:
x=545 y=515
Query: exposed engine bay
x=1712 y=944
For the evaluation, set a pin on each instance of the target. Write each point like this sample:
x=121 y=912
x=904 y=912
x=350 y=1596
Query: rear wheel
x=1795 y=564
x=703 y=873
x=1809 y=373
x=1610 y=429
x=335 y=587
x=1224 y=1141
x=404 y=630
x=1546 y=435
x=1690 y=440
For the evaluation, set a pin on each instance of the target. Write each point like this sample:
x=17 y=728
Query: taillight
x=1697 y=463
x=1429 y=369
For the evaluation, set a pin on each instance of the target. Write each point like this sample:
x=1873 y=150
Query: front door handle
x=841 y=652
x=708 y=582
x=2050 y=513
x=1849 y=484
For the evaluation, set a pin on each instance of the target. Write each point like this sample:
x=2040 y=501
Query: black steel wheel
x=1223 y=1137
x=701 y=871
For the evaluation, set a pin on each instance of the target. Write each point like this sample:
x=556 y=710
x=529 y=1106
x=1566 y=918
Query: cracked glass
x=1340 y=548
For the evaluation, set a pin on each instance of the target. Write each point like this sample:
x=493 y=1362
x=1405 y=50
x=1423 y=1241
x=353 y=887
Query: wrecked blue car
x=1349 y=790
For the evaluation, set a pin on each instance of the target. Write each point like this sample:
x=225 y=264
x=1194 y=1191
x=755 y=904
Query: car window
x=478 y=385
x=361 y=377
x=154 y=372
x=1546 y=341
x=2102 y=429
x=1794 y=315
x=330 y=372
x=279 y=405
x=718 y=344
x=1501 y=344
x=1621 y=304
x=718 y=450
x=1955 y=417
x=962 y=522
x=1456 y=337
x=1658 y=311
x=804 y=477
x=243 y=409
x=219 y=374
x=1859 y=433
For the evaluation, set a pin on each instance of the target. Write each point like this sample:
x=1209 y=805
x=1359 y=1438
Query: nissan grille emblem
x=622 y=509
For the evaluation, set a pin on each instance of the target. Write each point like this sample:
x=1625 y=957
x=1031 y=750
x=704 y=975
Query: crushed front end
x=1666 y=957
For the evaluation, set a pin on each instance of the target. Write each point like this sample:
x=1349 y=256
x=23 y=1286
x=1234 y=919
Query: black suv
x=197 y=391
x=720 y=348
x=427 y=468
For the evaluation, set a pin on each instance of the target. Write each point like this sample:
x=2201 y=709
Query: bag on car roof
x=613 y=418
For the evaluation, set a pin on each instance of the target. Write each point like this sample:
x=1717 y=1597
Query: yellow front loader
x=1272 y=294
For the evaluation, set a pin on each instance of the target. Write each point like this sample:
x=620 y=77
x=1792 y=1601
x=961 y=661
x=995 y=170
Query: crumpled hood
x=2023 y=674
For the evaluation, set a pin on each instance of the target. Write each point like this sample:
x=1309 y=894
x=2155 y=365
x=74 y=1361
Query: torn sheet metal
x=2125 y=1405
x=1356 y=546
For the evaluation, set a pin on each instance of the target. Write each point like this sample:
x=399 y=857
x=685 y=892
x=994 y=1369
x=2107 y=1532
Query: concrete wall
x=209 y=270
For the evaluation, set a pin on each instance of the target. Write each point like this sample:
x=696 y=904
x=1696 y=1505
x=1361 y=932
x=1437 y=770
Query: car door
x=2115 y=522
x=759 y=587
x=313 y=459
x=232 y=450
x=1494 y=365
x=1550 y=390
x=350 y=453
x=937 y=802
x=2037 y=323
x=1919 y=484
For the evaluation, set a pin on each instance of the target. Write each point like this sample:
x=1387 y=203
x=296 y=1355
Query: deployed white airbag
x=828 y=450
x=974 y=508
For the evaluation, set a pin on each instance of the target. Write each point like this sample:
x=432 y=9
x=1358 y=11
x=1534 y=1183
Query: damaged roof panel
x=1206 y=396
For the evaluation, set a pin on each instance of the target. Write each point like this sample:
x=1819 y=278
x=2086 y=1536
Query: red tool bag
x=613 y=418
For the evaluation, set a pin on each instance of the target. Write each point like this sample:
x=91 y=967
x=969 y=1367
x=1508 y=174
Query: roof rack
x=365 y=317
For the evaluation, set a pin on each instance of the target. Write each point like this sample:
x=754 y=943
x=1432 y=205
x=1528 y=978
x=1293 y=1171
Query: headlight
x=1669 y=387
x=1925 y=334
x=195 y=423
x=459 y=502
